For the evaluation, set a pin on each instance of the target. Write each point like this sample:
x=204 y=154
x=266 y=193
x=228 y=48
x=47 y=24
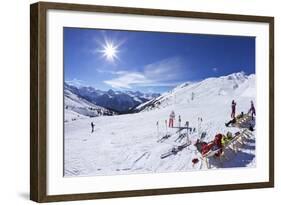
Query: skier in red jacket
x=215 y=145
x=233 y=109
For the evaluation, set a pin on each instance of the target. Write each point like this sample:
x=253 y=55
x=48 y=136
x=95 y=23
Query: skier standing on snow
x=233 y=109
x=192 y=96
x=252 y=110
x=171 y=119
x=93 y=127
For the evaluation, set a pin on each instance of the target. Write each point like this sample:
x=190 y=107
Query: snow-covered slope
x=77 y=108
x=128 y=144
x=232 y=85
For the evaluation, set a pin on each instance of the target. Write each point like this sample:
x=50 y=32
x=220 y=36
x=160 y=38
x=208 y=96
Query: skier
x=171 y=119
x=252 y=110
x=93 y=127
x=192 y=96
x=233 y=109
x=226 y=138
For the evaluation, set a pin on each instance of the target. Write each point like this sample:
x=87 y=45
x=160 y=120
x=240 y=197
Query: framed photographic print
x=135 y=102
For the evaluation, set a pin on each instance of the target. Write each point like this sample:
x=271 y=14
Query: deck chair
x=236 y=143
x=242 y=121
x=205 y=157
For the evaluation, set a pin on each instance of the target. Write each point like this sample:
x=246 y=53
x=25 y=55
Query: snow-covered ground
x=127 y=144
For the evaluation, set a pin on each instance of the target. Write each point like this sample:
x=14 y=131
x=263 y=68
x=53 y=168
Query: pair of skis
x=181 y=136
x=165 y=137
x=175 y=150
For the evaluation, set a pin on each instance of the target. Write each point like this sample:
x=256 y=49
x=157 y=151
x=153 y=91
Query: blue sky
x=151 y=61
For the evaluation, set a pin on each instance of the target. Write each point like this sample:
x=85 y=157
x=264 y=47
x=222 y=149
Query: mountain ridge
x=118 y=101
x=222 y=85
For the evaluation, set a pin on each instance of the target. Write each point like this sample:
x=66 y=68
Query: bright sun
x=110 y=51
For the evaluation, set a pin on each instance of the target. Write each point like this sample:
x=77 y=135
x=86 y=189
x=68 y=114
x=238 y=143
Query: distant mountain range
x=116 y=101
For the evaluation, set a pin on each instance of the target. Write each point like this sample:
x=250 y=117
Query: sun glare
x=110 y=51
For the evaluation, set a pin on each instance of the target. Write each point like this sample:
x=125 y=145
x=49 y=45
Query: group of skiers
x=251 y=111
x=221 y=140
x=234 y=118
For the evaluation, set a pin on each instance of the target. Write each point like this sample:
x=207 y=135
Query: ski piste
x=115 y=140
x=175 y=150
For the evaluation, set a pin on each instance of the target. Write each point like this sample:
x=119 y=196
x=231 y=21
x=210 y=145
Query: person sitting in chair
x=234 y=120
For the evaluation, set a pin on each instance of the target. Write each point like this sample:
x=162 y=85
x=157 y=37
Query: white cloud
x=114 y=72
x=127 y=80
x=162 y=73
x=76 y=82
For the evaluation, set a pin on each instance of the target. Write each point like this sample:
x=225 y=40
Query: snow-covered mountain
x=76 y=107
x=131 y=143
x=232 y=85
x=120 y=101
